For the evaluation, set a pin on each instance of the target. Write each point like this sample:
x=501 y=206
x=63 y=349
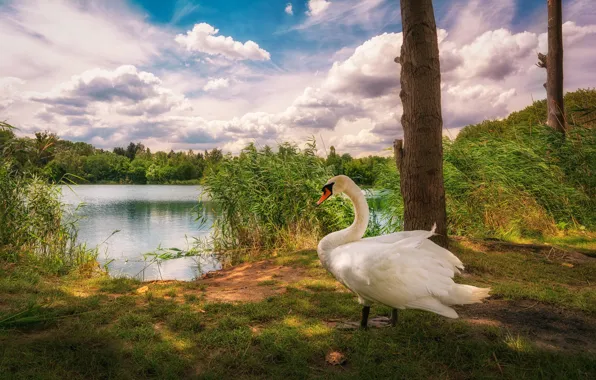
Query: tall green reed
x=267 y=201
x=34 y=229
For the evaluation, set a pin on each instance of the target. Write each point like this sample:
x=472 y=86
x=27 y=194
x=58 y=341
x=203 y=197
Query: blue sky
x=204 y=73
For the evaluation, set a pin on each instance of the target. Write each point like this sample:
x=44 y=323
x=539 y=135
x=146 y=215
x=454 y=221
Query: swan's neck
x=352 y=233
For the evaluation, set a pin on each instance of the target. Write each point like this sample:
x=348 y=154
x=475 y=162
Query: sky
x=200 y=74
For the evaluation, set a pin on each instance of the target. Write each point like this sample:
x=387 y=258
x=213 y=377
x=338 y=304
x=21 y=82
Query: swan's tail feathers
x=465 y=294
x=433 y=305
x=432 y=230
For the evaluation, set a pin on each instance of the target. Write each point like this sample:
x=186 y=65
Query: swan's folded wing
x=391 y=238
x=414 y=239
x=394 y=274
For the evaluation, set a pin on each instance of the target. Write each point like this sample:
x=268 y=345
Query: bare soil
x=246 y=282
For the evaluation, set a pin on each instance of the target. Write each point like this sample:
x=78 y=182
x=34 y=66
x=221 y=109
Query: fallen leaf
x=335 y=358
x=568 y=265
x=142 y=289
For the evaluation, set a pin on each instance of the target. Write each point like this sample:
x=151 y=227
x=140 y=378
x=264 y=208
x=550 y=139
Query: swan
x=401 y=270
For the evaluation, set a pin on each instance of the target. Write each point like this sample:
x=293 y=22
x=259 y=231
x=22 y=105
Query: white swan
x=401 y=270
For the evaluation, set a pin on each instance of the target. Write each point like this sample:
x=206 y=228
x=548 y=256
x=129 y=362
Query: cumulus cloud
x=216 y=84
x=496 y=54
x=288 y=9
x=127 y=90
x=203 y=38
x=316 y=7
x=369 y=72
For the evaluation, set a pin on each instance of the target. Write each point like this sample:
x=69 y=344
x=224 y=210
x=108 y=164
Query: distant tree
x=421 y=160
x=119 y=151
x=45 y=145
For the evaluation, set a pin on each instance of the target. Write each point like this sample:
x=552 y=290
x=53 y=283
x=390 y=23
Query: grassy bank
x=516 y=178
x=538 y=324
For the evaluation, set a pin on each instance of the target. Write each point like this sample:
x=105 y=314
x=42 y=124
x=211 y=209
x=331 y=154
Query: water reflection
x=151 y=216
x=146 y=217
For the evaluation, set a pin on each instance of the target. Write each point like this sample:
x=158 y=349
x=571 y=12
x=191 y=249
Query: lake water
x=147 y=217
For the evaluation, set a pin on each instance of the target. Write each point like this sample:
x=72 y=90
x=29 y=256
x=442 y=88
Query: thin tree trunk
x=554 y=67
x=422 y=156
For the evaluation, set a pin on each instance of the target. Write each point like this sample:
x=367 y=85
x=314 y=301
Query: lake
x=147 y=217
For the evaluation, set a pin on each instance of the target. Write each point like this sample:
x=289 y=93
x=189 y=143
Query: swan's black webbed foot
x=393 y=317
x=364 y=321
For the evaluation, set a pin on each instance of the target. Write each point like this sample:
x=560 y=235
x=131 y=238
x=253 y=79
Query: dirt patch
x=248 y=282
x=547 y=326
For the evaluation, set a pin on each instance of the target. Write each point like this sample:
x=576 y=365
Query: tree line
x=62 y=161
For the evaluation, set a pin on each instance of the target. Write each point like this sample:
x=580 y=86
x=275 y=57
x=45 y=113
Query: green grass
x=102 y=328
x=516 y=179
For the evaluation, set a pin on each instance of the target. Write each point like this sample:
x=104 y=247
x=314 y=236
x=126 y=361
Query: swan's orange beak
x=326 y=194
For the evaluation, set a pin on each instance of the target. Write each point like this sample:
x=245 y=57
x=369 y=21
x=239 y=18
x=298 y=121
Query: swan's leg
x=364 y=321
x=394 y=317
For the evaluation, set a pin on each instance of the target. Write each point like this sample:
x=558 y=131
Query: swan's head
x=334 y=186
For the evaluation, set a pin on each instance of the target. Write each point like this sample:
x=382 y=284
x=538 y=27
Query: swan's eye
x=329 y=187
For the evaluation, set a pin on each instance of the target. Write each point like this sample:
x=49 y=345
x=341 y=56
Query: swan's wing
x=416 y=239
x=395 y=274
x=391 y=238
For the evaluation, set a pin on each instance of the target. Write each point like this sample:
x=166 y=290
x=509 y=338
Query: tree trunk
x=422 y=156
x=554 y=67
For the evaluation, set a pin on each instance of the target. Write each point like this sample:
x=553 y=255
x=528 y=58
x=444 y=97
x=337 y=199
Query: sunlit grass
x=118 y=332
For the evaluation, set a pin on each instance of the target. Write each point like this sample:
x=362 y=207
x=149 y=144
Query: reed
x=267 y=201
x=34 y=227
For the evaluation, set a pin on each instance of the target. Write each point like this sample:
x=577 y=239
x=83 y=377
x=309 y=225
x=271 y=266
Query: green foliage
x=364 y=171
x=31 y=218
x=77 y=162
x=515 y=178
x=268 y=200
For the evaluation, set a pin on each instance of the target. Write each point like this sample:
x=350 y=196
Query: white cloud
x=125 y=90
x=288 y=9
x=496 y=54
x=316 y=7
x=142 y=92
x=51 y=40
x=183 y=8
x=216 y=84
x=8 y=91
x=338 y=20
x=572 y=34
x=203 y=38
x=369 y=72
x=467 y=19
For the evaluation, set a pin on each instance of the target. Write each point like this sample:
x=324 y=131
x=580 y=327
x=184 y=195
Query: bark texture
x=421 y=161
x=554 y=67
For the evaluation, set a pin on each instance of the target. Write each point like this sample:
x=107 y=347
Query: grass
x=516 y=179
x=103 y=328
